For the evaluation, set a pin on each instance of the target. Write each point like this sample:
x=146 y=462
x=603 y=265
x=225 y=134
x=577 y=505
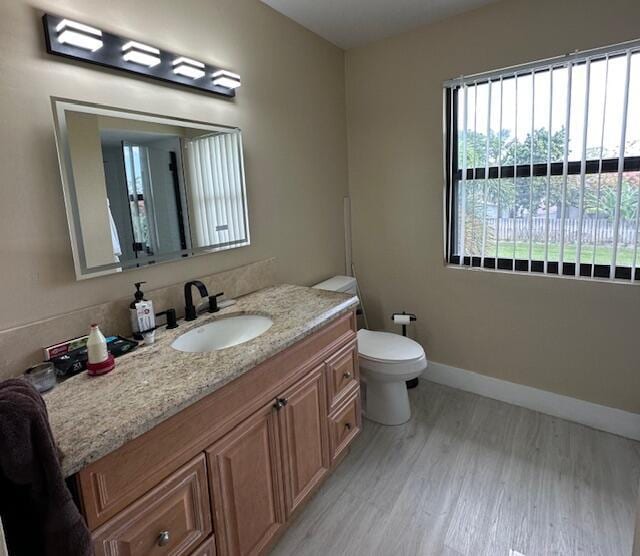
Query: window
x=217 y=194
x=139 y=189
x=543 y=166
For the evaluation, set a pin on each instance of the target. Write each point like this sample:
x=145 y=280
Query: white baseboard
x=609 y=419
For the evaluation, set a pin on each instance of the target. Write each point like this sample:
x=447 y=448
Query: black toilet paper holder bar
x=412 y=318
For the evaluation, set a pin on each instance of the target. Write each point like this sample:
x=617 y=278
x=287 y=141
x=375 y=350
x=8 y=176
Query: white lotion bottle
x=97 y=346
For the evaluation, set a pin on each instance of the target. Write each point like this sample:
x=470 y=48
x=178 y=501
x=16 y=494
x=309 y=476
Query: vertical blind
x=543 y=166
x=217 y=198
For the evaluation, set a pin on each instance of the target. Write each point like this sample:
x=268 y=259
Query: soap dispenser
x=133 y=310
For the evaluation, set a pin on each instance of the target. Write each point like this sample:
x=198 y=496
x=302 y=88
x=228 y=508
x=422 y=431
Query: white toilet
x=387 y=361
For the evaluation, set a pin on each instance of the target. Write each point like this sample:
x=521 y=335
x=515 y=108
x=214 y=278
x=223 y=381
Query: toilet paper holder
x=404 y=319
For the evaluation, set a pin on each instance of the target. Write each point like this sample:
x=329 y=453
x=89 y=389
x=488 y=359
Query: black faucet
x=190 y=310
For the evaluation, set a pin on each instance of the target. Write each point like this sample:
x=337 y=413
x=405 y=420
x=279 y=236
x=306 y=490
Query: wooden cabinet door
x=207 y=548
x=245 y=481
x=304 y=434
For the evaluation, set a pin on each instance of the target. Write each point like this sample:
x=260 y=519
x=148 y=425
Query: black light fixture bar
x=110 y=55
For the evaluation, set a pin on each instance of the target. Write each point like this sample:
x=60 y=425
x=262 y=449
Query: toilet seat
x=391 y=356
x=387 y=347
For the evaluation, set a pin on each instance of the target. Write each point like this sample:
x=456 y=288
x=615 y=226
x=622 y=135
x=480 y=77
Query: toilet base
x=387 y=403
x=413 y=383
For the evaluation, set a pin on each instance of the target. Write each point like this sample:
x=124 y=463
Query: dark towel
x=38 y=513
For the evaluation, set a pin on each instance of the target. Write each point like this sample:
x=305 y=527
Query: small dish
x=42 y=377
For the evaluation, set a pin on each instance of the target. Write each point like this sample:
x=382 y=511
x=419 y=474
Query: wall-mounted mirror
x=141 y=189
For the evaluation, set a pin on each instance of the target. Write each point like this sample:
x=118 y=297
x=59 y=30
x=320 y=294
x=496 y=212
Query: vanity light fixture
x=188 y=67
x=80 y=42
x=79 y=34
x=228 y=79
x=142 y=54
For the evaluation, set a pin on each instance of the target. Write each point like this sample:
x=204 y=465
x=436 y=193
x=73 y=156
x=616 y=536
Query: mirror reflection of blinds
x=543 y=166
x=216 y=190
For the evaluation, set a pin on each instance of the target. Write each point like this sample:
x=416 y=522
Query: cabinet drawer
x=172 y=519
x=344 y=425
x=343 y=374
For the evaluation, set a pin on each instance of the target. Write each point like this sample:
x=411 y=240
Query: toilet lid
x=384 y=346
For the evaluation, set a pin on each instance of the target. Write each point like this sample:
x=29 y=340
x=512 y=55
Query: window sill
x=619 y=281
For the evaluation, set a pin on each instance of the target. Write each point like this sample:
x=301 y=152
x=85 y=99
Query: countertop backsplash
x=22 y=346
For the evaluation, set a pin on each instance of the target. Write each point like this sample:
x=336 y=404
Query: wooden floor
x=473 y=476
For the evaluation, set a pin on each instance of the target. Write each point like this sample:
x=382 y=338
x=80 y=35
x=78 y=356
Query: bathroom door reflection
x=154 y=199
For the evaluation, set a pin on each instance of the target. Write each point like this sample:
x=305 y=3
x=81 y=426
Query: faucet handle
x=172 y=320
x=213 y=302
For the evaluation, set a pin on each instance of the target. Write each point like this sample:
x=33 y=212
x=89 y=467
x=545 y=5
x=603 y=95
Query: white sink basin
x=223 y=333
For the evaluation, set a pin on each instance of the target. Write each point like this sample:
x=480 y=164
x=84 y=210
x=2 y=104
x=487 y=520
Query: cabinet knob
x=347 y=375
x=347 y=426
x=163 y=538
x=280 y=403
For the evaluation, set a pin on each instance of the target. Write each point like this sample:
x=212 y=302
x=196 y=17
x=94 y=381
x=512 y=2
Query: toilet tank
x=345 y=284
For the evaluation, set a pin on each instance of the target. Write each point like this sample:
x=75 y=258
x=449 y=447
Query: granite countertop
x=91 y=417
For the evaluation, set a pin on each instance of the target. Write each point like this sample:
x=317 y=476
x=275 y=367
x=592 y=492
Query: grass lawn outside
x=625 y=254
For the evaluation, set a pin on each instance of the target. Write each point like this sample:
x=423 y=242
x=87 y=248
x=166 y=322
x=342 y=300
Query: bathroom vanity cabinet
x=225 y=475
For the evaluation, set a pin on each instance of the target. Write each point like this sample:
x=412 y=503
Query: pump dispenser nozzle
x=139 y=294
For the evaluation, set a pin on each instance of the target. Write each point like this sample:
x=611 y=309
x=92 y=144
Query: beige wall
x=85 y=151
x=290 y=108
x=573 y=337
x=577 y=338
